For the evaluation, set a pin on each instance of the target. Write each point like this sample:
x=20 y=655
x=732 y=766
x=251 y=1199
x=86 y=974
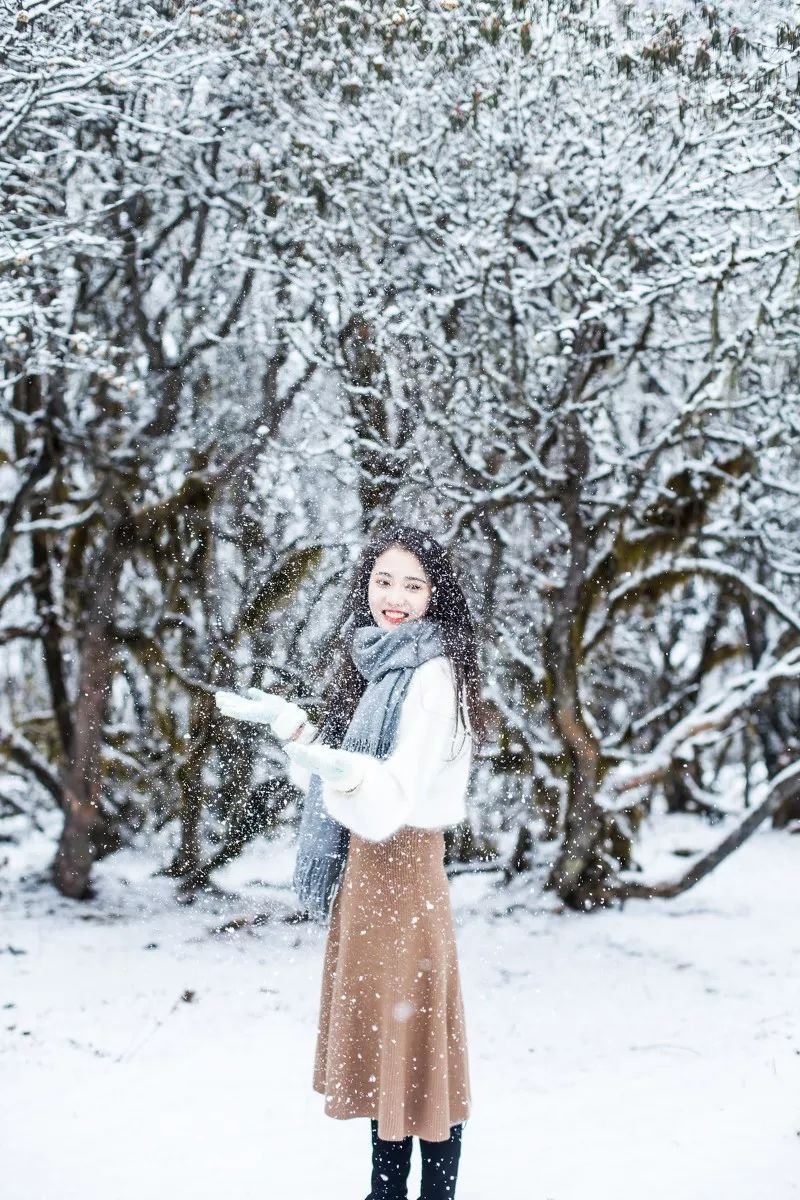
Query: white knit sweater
x=423 y=782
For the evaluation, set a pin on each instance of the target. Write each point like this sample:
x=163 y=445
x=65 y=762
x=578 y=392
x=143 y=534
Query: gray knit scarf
x=386 y=658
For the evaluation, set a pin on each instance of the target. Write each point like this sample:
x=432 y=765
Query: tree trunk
x=87 y=834
x=84 y=838
x=787 y=812
x=237 y=751
x=187 y=857
x=581 y=870
x=581 y=873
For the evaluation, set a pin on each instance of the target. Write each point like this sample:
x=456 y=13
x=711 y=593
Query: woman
x=391 y=1041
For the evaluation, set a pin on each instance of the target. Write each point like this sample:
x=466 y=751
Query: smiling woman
x=390 y=764
x=391 y=1041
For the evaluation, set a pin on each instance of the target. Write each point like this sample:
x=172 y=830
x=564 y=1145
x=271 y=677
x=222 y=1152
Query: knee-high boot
x=391 y=1163
x=440 y=1166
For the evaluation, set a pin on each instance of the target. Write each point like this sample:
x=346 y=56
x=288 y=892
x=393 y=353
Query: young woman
x=391 y=1042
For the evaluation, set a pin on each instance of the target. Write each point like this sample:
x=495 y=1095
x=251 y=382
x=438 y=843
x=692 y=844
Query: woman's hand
x=264 y=708
x=336 y=767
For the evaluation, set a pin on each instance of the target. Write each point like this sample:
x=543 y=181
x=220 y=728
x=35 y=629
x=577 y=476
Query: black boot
x=391 y=1163
x=440 y=1166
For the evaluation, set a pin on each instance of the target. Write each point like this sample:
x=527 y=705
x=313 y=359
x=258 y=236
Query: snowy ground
x=650 y=1054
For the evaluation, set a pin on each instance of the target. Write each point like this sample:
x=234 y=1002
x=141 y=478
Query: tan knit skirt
x=391 y=1042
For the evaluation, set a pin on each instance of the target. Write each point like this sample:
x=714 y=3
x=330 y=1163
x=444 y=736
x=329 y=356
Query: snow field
x=652 y=1052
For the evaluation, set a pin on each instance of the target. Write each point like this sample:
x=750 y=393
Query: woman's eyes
x=412 y=587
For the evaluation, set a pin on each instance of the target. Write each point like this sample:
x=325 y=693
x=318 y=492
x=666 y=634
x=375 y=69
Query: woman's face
x=399 y=589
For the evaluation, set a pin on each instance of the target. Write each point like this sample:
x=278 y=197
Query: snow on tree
x=525 y=272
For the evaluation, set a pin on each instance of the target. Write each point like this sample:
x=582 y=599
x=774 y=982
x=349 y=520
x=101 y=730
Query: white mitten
x=264 y=708
x=337 y=767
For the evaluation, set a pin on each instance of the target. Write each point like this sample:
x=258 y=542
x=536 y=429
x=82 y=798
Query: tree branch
x=21 y=751
x=784 y=786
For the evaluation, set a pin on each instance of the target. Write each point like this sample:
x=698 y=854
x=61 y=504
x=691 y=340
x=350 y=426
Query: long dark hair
x=447 y=608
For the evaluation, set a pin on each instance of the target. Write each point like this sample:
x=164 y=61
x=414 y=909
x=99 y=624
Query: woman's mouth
x=394 y=615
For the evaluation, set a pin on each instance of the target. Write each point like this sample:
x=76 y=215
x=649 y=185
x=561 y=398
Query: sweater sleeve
x=430 y=761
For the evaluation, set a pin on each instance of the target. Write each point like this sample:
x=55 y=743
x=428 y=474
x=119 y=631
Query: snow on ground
x=651 y=1053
